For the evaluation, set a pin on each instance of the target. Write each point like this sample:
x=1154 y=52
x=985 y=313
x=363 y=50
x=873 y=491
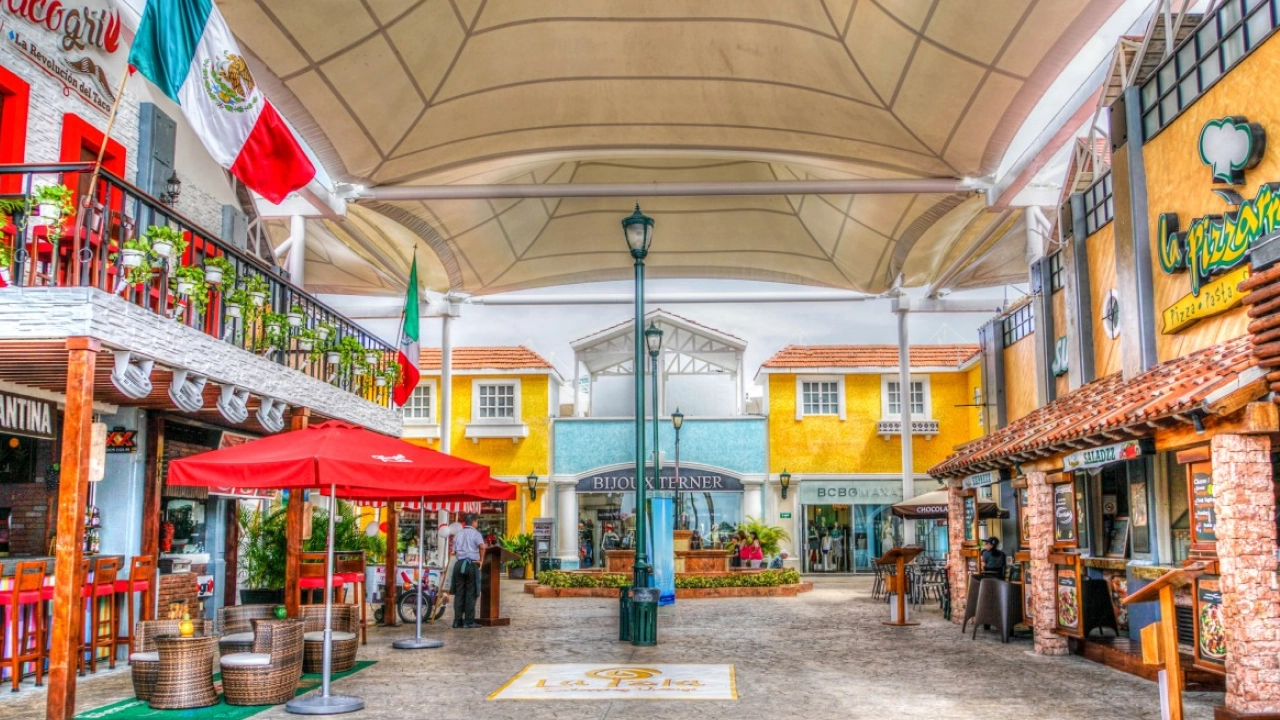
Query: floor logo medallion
x=580 y=681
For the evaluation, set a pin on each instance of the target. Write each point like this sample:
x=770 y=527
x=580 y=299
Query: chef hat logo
x=1230 y=146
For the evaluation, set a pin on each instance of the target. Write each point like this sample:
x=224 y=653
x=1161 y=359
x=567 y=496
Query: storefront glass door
x=846 y=538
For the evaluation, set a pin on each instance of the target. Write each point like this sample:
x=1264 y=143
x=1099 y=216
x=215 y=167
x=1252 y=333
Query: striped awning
x=454 y=507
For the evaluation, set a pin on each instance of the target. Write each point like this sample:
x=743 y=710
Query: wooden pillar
x=231 y=553
x=151 y=489
x=389 y=616
x=73 y=493
x=294 y=516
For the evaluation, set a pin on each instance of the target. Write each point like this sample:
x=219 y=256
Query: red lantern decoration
x=382 y=528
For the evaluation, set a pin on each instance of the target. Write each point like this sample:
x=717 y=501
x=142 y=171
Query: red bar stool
x=142 y=571
x=311 y=576
x=99 y=596
x=24 y=621
x=350 y=567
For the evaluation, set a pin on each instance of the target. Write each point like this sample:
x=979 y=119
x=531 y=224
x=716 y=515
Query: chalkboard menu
x=1203 y=518
x=1067 y=600
x=1064 y=514
x=1026 y=590
x=1024 y=520
x=1211 y=640
x=970 y=518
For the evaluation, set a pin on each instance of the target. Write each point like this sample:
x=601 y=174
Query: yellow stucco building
x=834 y=430
x=502 y=400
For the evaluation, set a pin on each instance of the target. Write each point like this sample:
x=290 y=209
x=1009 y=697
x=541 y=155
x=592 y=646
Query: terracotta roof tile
x=1108 y=404
x=857 y=356
x=487 y=358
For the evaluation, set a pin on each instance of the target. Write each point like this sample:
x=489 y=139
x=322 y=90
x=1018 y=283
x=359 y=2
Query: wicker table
x=185 y=676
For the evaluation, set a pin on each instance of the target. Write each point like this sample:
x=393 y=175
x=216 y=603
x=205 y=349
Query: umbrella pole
x=418 y=642
x=324 y=703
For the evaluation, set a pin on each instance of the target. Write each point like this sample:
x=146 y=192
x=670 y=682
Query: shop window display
x=606 y=521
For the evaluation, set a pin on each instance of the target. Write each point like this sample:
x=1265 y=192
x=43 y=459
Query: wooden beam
x=1257 y=418
x=73 y=494
x=1237 y=399
x=389 y=616
x=294 y=514
x=151 y=489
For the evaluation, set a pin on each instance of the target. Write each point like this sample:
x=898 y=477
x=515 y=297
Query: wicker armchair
x=145 y=661
x=345 y=639
x=269 y=675
x=236 y=625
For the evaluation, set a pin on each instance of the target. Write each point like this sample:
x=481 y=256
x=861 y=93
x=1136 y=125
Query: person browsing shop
x=468 y=548
x=993 y=558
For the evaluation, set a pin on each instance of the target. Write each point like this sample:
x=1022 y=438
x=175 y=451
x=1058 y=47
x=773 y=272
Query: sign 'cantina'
x=690 y=481
x=26 y=416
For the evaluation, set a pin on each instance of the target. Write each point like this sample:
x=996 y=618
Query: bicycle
x=434 y=602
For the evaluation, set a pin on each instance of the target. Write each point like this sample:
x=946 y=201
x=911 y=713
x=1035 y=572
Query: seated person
x=993 y=559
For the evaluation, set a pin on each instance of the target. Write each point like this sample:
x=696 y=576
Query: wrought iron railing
x=918 y=427
x=249 y=308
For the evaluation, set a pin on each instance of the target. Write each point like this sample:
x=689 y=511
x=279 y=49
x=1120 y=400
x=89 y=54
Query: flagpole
x=106 y=137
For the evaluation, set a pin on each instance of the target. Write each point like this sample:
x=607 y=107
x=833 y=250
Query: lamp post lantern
x=677 y=419
x=637 y=230
x=532 y=482
x=784 y=479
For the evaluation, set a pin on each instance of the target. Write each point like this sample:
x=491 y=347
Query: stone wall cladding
x=955 y=536
x=1244 y=500
x=45 y=313
x=28 y=505
x=1040 y=518
x=177 y=589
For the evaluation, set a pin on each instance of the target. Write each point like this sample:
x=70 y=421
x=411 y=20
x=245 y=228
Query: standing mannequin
x=837 y=549
x=826 y=552
x=813 y=548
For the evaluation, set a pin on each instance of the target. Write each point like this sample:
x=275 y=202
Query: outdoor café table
x=185 y=676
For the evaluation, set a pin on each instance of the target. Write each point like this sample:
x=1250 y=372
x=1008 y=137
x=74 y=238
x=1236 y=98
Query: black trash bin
x=644 y=615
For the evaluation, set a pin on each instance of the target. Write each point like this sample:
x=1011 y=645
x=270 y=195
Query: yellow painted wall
x=504 y=457
x=826 y=444
x=1179 y=182
x=1020 y=377
x=1101 y=249
x=1058 y=303
x=973 y=380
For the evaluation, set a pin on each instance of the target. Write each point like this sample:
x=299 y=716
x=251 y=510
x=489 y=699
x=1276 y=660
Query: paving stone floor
x=824 y=654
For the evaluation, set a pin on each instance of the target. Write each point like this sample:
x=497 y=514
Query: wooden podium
x=898 y=583
x=491 y=585
x=1164 y=633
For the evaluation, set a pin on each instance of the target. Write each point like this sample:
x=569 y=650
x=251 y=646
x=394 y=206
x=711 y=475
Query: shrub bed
x=764 y=578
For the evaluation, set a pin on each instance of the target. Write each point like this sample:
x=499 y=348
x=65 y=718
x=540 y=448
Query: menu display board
x=1064 y=514
x=1138 y=516
x=1203 y=518
x=1024 y=519
x=1211 y=639
x=1067 y=600
x=1118 y=543
x=970 y=518
x=1026 y=590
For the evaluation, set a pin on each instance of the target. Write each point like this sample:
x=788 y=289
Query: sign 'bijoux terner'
x=26 y=416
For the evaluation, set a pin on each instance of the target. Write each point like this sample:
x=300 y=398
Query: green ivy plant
x=228 y=270
x=199 y=295
x=142 y=272
x=169 y=234
x=257 y=284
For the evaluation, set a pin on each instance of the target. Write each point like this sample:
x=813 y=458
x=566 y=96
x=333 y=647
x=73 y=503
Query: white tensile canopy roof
x=393 y=93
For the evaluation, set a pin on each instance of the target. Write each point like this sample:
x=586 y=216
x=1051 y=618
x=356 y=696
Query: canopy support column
x=901 y=306
x=417 y=642
x=73 y=491
x=389 y=618
x=294 y=516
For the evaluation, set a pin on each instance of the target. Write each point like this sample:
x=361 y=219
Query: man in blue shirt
x=468 y=548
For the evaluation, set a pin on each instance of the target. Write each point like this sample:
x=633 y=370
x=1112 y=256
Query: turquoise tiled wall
x=736 y=444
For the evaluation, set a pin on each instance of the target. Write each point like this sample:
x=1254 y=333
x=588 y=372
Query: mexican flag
x=409 y=334
x=186 y=49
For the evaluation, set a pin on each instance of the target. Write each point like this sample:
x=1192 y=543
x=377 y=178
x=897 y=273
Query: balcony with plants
x=133 y=246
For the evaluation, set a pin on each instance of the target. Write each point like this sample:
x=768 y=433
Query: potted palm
x=262 y=554
x=770 y=535
x=521 y=545
x=219 y=271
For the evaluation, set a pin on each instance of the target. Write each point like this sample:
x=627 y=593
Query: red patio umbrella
x=343 y=459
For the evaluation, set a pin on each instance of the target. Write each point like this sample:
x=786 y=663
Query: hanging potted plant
x=333 y=357
x=323 y=331
x=274 y=323
x=52 y=202
x=135 y=253
x=219 y=271
x=6 y=259
x=296 y=316
x=236 y=300
x=390 y=376
x=187 y=280
x=257 y=288
x=166 y=241
x=371 y=358
x=307 y=342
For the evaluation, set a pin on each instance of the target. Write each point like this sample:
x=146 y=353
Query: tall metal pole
x=640 y=570
x=417 y=642
x=679 y=496
x=901 y=306
x=657 y=456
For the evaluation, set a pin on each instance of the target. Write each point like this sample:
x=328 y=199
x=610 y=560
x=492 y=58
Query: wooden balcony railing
x=83 y=249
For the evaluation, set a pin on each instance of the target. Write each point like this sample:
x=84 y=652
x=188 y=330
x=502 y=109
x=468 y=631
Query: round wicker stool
x=184 y=678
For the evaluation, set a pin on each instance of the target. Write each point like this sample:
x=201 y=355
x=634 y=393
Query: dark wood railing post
x=73 y=493
x=294 y=516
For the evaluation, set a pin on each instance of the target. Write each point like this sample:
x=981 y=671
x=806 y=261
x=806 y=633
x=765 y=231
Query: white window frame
x=513 y=427
x=515 y=418
x=840 y=400
x=885 y=381
x=428 y=427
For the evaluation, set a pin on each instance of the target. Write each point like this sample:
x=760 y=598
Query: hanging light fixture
x=784 y=479
x=532 y=481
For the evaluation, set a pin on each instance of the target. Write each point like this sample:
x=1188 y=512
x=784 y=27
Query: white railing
x=889 y=428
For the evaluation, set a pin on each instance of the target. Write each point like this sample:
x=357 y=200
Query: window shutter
x=157 y=135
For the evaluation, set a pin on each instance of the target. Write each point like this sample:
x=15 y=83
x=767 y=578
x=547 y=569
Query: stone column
x=955 y=542
x=753 y=500
x=1245 y=505
x=1040 y=519
x=567 y=525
